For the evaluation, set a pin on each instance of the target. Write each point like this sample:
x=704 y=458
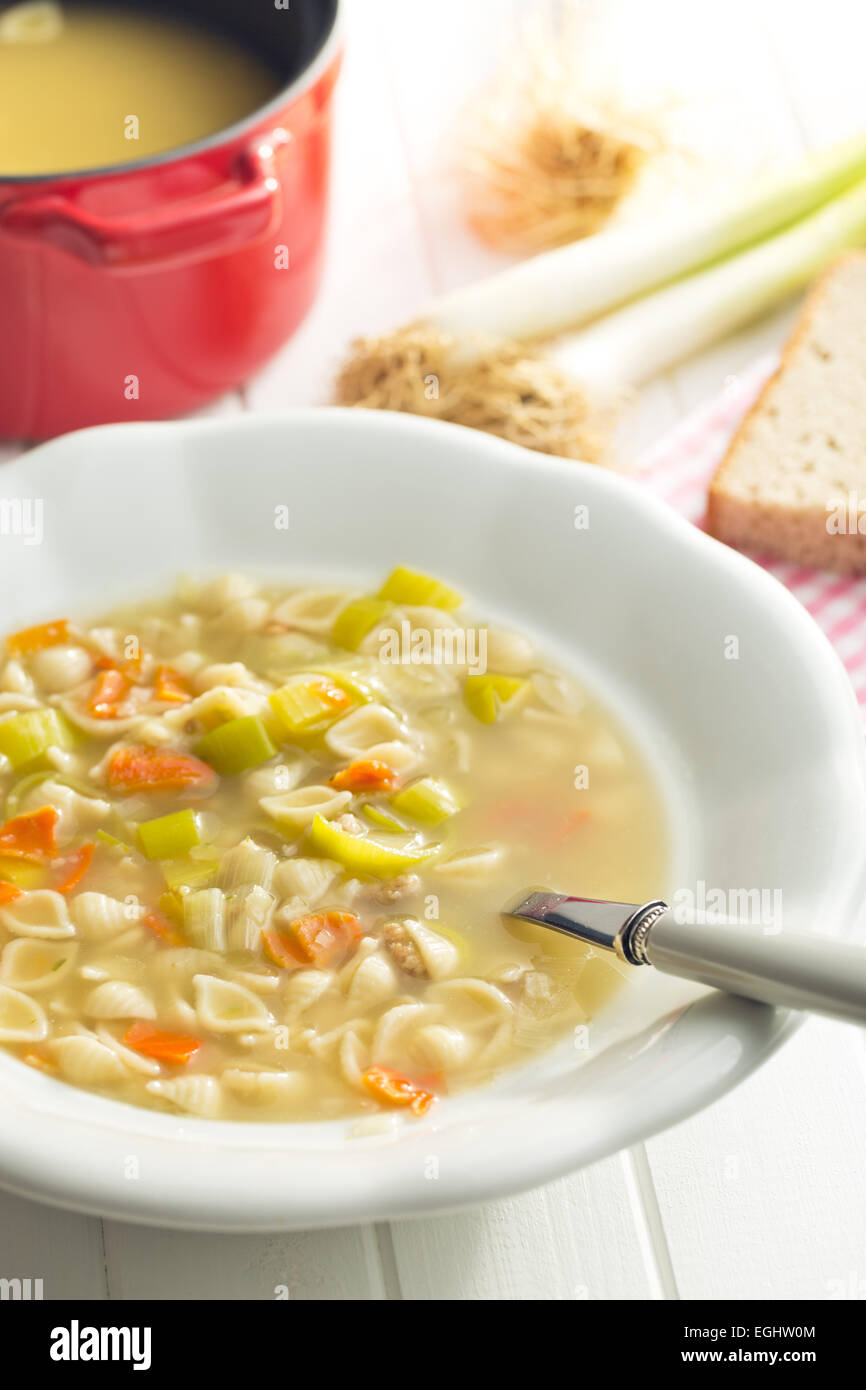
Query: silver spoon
x=791 y=970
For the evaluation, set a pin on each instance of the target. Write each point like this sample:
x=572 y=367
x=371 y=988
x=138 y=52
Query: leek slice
x=418 y=590
x=169 y=836
x=204 y=919
x=382 y=819
x=304 y=706
x=25 y=737
x=187 y=872
x=235 y=746
x=486 y=695
x=112 y=842
x=361 y=856
x=171 y=904
x=357 y=686
x=22 y=874
x=428 y=799
x=357 y=619
x=35 y=779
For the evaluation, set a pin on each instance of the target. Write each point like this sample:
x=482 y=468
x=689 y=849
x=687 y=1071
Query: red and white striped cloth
x=679 y=468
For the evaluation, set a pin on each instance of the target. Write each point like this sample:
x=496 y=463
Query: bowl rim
x=78 y=1186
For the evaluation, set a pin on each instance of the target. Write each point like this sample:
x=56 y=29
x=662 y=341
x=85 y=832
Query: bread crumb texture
x=793 y=482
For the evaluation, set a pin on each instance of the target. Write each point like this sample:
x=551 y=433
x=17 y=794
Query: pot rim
x=305 y=80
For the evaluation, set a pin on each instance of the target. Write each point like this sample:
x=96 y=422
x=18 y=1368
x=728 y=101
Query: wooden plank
x=574 y=1239
x=761 y=1194
x=340 y=1264
x=62 y=1249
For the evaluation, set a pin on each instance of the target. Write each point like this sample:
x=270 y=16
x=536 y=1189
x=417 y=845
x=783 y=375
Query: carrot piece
x=142 y=769
x=280 y=947
x=568 y=826
x=129 y=666
x=73 y=868
x=390 y=1088
x=326 y=937
x=9 y=891
x=159 y=924
x=34 y=639
x=335 y=695
x=163 y=1047
x=111 y=689
x=31 y=836
x=171 y=687
x=367 y=775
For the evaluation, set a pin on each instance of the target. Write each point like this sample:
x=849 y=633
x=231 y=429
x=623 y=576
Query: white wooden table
x=762 y=1195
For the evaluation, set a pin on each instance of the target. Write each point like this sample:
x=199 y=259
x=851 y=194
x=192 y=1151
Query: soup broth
x=257 y=841
x=85 y=87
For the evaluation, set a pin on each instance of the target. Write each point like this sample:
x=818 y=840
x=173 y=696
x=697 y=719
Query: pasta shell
x=296 y=810
x=272 y=781
x=211 y=595
x=14 y=679
x=373 y=980
x=441 y=1047
x=391 y=1033
x=198 y=1094
x=224 y=1007
x=99 y=917
x=373 y=731
x=264 y=1087
x=470 y=863
x=354 y=1058
x=508 y=652
x=439 y=955
x=243 y=616
x=21 y=1018
x=75 y=812
x=86 y=1061
x=40 y=913
x=223 y=701
x=474 y=994
x=134 y=1061
x=29 y=964
x=312 y=610
x=119 y=999
x=305 y=988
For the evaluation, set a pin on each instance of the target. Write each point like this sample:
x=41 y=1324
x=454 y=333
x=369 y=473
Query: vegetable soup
x=256 y=842
x=89 y=86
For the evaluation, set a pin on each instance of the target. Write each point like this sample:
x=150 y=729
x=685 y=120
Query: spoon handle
x=792 y=970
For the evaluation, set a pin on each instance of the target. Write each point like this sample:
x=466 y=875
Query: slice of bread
x=793 y=482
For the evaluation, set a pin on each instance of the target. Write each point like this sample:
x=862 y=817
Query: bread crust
x=798 y=534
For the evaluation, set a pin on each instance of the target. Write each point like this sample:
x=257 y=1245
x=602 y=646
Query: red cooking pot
x=147 y=289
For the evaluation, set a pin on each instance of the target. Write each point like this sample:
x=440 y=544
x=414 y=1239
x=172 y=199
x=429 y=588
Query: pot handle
x=210 y=223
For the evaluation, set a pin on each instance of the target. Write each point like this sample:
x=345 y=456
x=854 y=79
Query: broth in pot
x=85 y=87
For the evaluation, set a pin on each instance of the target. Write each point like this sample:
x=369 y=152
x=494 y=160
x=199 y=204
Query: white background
x=761 y=1196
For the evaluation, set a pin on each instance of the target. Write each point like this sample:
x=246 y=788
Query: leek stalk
x=654 y=333
x=362 y=856
x=574 y=284
x=169 y=837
